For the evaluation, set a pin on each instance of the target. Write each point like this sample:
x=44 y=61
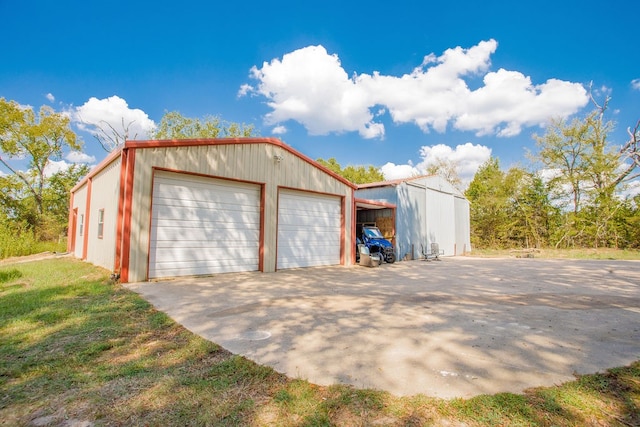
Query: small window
x=100 y=223
x=81 y=224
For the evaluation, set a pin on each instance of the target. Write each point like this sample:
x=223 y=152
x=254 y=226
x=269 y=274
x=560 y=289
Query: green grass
x=74 y=346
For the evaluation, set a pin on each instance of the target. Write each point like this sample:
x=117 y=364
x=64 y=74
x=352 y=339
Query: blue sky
x=394 y=85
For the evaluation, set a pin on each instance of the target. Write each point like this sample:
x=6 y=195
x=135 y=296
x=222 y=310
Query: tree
x=109 y=137
x=587 y=173
x=174 y=125
x=36 y=140
x=488 y=206
x=56 y=199
x=448 y=169
x=355 y=174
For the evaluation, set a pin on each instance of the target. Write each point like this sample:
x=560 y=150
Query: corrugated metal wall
x=441 y=227
x=411 y=220
x=105 y=190
x=263 y=163
x=428 y=210
x=80 y=203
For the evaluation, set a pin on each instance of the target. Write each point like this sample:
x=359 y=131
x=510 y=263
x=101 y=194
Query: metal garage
x=172 y=208
x=428 y=210
x=203 y=226
x=309 y=229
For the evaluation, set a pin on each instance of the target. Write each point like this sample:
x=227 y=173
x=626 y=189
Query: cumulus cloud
x=54 y=167
x=635 y=83
x=467 y=158
x=279 y=130
x=310 y=86
x=392 y=171
x=50 y=97
x=99 y=116
x=79 y=157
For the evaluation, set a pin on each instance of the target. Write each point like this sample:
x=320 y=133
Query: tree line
x=34 y=196
x=572 y=196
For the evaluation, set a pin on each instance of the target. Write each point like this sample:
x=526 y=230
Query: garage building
x=421 y=210
x=157 y=209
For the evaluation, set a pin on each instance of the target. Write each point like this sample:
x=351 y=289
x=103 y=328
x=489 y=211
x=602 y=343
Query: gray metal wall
x=428 y=210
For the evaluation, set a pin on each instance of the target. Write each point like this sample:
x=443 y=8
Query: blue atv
x=372 y=238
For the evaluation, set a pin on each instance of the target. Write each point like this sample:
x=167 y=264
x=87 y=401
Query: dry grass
x=77 y=348
x=579 y=253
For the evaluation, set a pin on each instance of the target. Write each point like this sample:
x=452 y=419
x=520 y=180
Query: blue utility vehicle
x=371 y=237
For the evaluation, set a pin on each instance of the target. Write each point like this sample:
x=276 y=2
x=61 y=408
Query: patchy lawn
x=75 y=347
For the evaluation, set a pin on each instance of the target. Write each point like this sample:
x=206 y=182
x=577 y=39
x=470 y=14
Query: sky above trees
x=397 y=86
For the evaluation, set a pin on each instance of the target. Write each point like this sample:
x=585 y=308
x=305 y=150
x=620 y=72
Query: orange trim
x=126 y=215
x=169 y=143
x=374 y=202
x=87 y=217
x=120 y=215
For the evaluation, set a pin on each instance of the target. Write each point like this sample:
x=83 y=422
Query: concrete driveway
x=455 y=328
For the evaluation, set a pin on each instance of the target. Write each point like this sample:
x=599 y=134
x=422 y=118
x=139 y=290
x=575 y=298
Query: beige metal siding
x=105 y=191
x=80 y=203
x=262 y=163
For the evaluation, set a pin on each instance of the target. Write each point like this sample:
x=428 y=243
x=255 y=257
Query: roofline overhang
x=171 y=143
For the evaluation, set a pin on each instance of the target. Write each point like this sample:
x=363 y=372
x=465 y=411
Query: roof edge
x=98 y=168
x=169 y=143
x=393 y=182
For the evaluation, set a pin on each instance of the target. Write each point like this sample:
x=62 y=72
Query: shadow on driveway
x=455 y=328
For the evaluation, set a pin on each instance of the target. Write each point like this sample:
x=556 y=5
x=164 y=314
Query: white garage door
x=309 y=229
x=203 y=226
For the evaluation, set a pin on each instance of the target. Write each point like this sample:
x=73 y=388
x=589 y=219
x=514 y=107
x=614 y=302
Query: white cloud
x=392 y=171
x=79 y=157
x=50 y=97
x=110 y=114
x=54 y=167
x=310 y=86
x=279 y=130
x=467 y=158
x=635 y=84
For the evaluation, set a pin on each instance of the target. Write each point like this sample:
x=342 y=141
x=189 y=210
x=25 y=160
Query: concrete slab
x=455 y=328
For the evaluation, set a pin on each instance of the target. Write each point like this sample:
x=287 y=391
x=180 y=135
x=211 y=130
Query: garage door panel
x=196 y=209
x=308 y=220
x=309 y=229
x=203 y=226
x=194 y=256
x=205 y=233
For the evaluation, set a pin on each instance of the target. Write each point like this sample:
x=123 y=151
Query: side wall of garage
x=267 y=163
x=94 y=215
